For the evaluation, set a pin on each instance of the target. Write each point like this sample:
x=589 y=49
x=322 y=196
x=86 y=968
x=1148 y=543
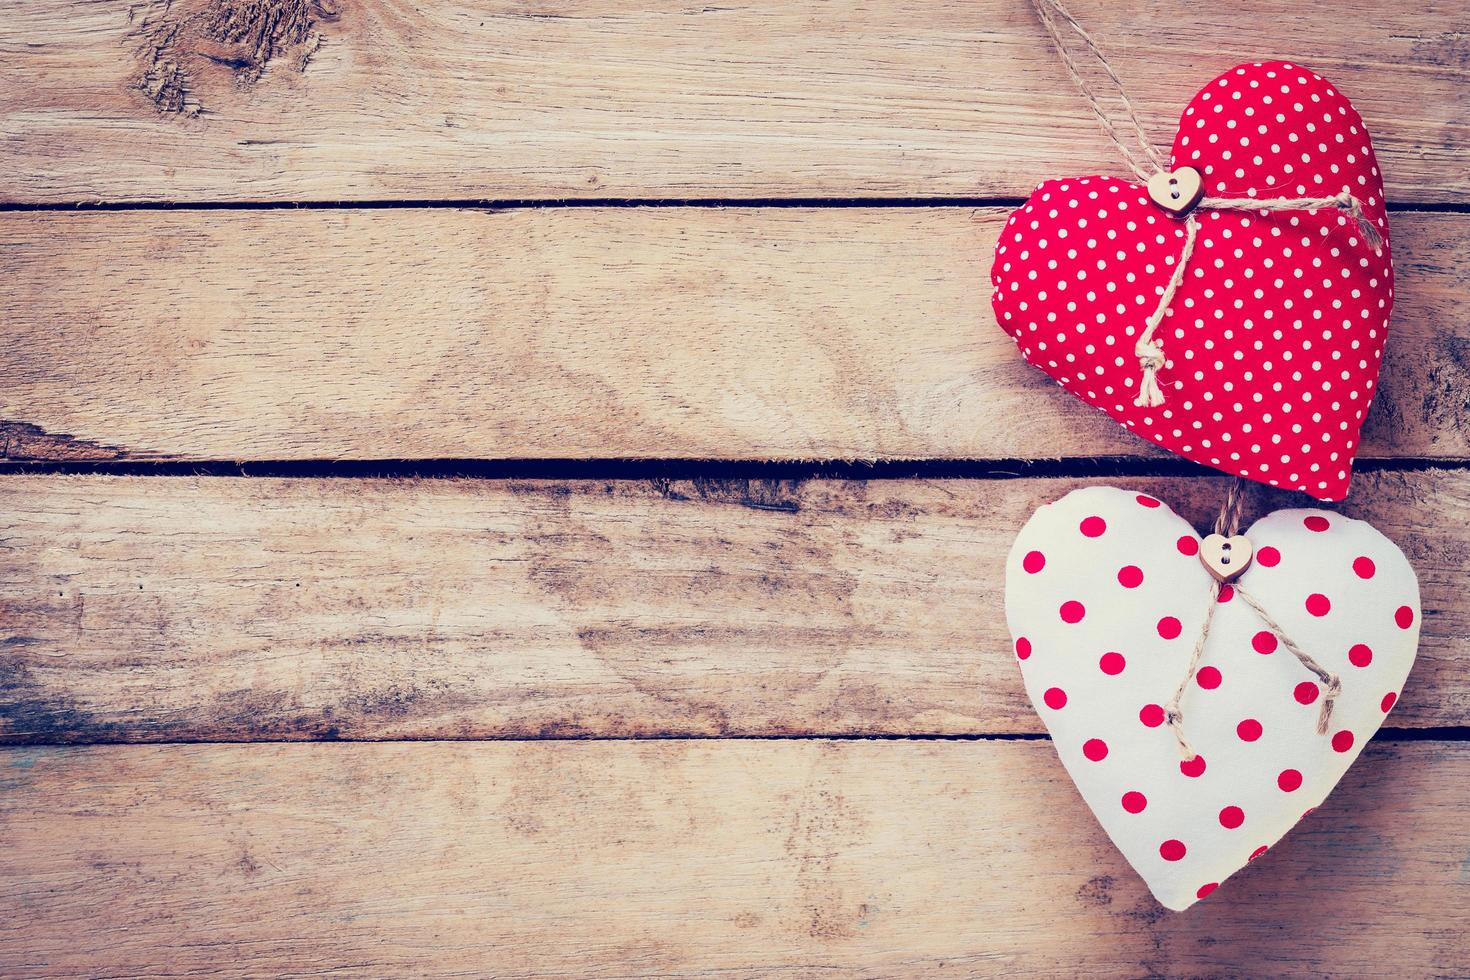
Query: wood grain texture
x=302 y=100
x=682 y=859
x=683 y=332
x=142 y=609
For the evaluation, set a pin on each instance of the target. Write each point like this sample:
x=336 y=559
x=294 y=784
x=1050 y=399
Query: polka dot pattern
x=1251 y=709
x=1273 y=342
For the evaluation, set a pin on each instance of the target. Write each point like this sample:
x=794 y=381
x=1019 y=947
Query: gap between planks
x=1446 y=734
x=1098 y=467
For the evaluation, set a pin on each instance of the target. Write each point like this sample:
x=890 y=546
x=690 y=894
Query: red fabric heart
x=1273 y=341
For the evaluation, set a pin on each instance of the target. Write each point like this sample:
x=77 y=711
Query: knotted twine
x=1146 y=163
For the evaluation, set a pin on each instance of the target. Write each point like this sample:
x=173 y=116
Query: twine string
x=1344 y=201
x=1173 y=713
x=1150 y=352
x=1050 y=11
x=1147 y=163
x=1328 y=679
x=1227 y=522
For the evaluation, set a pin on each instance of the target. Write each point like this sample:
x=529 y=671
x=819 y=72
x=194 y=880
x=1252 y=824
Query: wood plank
x=679 y=859
x=298 y=100
x=143 y=609
x=683 y=332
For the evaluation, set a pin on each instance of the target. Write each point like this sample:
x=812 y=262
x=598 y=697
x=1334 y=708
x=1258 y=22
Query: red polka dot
x=1318 y=604
x=1093 y=527
x=1072 y=611
x=1205 y=891
x=1268 y=556
x=1152 y=715
x=1169 y=627
x=1316 y=522
x=1289 y=780
x=1388 y=701
x=1034 y=562
x=1227 y=592
x=1172 y=850
x=1193 y=768
x=1095 y=749
x=1404 y=616
x=1188 y=545
x=1130 y=576
x=1134 y=801
x=1264 y=642
x=1146 y=501
x=1248 y=730
x=1023 y=648
x=1361 y=655
x=1208 y=678
x=1112 y=663
x=1364 y=567
x=1257 y=853
x=1342 y=741
x=1232 y=817
x=1306 y=692
x=1055 y=698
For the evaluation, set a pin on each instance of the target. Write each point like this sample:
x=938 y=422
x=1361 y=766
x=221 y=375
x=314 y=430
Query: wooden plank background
x=733 y=716
x=783 y=859
x=296 y=609
x=298 y=100
x=570 y=333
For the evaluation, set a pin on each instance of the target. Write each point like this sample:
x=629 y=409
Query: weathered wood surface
x=676 y=859
x=318 y=100
x=686 y=332
x=201 y=609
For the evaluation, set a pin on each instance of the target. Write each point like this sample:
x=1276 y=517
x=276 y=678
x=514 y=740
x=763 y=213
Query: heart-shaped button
x=1177 y=192
x=1272 y=342
x=1226 y=558
x=1106 y=597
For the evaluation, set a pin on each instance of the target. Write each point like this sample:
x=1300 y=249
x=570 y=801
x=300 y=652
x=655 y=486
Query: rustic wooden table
x=408 y=565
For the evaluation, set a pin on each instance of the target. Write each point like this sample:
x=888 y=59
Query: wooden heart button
x=1225 y=558
x=1178 y=192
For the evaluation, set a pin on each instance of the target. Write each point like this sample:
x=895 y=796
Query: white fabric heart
x=1106 y=597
